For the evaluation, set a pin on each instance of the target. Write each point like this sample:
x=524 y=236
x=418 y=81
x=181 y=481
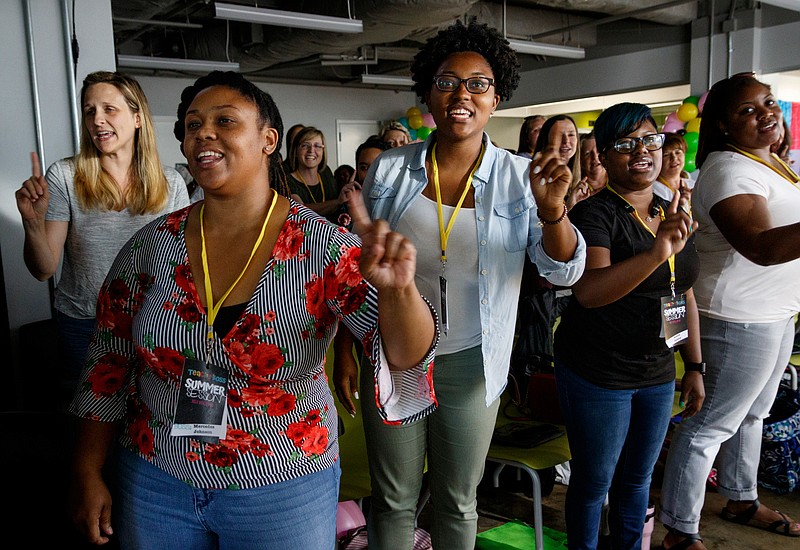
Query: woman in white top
x=746 y=202
x=88 y=206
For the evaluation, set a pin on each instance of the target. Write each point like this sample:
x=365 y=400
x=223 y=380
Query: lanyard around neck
x=310 y=193
x=665 y=182
x=789 y=176
x=213 y=309
x=671 y=259
x=444 y=234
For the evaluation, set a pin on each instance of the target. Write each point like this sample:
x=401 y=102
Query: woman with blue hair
x=615 y=366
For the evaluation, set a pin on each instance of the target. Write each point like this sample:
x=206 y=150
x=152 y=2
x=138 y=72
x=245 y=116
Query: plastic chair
x=546 y=455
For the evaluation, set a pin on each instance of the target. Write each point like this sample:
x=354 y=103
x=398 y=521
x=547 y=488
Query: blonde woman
x=86 y=207
x=395 y=134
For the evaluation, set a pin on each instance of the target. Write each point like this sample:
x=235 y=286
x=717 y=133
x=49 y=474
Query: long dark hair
x=715 y=111
x=574 y=164
x=525 y=145
x=268 y=114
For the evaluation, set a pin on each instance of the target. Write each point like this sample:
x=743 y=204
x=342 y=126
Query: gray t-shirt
x=94 y=237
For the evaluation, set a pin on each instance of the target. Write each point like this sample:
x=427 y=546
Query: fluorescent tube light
x=168 y=63
x=386 y=80
x=249 y=14
x=542 y=48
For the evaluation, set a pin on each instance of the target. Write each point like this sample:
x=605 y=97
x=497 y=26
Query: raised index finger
x=36 y=168
x=362 y=223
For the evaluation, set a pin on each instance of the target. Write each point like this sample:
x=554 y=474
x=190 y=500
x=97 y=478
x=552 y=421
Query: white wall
x=318 y=106
x=28 y=299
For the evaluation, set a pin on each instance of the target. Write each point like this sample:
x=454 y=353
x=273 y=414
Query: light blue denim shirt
x=507 y=225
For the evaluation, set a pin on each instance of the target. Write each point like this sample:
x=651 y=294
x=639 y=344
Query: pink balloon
x=673 y=117
x=672 y=125
x=427 y=120
x=701 y=102
x=348 y=517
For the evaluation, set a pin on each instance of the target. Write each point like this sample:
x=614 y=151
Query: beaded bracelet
x=543 y=222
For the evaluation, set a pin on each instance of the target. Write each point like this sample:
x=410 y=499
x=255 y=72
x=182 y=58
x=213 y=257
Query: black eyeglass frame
x=464 y=81
x=636 y=141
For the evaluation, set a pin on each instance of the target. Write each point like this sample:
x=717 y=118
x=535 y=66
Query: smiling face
x=754 y=118
x=565 y=136
x=460 y=115
x=310 y=151
x=364 y=161
x=636 y=170
x=225 y=141
x=109 y=119
x=673 y=162
x=591 y=167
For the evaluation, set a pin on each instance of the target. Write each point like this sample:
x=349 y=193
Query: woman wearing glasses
x=615 y=369
x=309 y=181
x=473 y=211
x=746 y=200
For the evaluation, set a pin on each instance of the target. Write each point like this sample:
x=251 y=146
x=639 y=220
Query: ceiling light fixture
x=542 y=48
x=249 y=14
x=168 y=63
x=387 y=80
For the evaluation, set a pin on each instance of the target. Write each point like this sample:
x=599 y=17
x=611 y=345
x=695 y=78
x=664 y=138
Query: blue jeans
x=615 y=437
x=74 y=337
x=745 y=362
x=455 y=439
x=152 y=509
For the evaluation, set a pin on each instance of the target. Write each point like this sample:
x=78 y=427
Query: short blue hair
x=618 y=121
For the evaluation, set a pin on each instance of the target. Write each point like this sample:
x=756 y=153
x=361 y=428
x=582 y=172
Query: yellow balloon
x=687 y=112
x=693 y=125
x=415 y=121
x=413 y=111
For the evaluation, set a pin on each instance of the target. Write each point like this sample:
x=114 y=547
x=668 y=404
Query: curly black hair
x=474 y=37
x=267 y=114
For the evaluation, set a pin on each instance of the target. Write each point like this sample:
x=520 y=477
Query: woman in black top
x=614 y=369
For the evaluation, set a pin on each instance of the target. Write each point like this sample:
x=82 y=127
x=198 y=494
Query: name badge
x=674 y=326
x=445 y=318
x=202 y=409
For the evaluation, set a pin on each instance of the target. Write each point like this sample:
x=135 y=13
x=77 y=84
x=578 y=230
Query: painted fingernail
x=681 y=404
x=355 y=394
x=353 y=415
x=549 y=180
x=542 y=182
x=537 y=169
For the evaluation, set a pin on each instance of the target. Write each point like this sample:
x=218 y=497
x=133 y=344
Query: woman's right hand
x=34 y=195
x=90 y=508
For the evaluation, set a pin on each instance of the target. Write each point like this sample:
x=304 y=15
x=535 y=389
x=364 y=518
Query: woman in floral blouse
x=207 y=366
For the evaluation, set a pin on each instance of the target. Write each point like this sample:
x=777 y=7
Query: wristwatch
x=695 y=367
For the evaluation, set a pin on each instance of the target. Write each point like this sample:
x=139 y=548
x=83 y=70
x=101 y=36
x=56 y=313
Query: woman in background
x=748 y=292
x=86 y=207
x=615 y=372
x=395 y=134
x=309 y=181
x=528 y=134
x=673 y=178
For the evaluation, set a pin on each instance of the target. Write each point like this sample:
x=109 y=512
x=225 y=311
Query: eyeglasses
x=473 y=84
x=308 y=146
x=627 y=145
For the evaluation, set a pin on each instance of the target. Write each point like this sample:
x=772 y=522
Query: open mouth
x=459 y=113
x=207 y=158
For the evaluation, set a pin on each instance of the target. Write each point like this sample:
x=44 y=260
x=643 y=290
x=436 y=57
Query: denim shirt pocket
x=381 y=198
x=513 y=218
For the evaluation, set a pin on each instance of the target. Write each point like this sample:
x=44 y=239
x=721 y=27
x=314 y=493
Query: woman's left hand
x=550 y=180
x=693 y=393
x=388 y=259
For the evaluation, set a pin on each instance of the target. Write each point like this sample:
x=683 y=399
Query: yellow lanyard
x=671 y=259
x=319 y=179
x=789 y=176
x=665 y=182
x=444 y=234
x=213 y=309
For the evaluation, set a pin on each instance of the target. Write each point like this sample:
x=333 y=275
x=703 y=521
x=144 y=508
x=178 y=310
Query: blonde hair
x=148 y=190
x=309 y=132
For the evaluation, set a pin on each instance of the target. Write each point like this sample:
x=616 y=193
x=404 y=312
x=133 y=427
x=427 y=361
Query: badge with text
x=202 y=404
x=674 y=327
x=445 y=317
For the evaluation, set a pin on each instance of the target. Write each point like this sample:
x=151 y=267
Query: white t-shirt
x=421 y=225
x=731 y=287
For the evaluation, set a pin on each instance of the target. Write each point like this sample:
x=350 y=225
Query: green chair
x=546 y=455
